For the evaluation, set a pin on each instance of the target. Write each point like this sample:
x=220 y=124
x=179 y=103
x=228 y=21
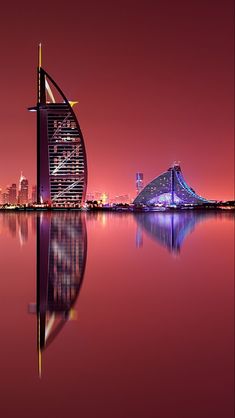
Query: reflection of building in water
x=171 y=229
x=139 y=237
x=33 y=224
x=18 y=224
x=61 y=260
x=23 y=228
x=12 y=225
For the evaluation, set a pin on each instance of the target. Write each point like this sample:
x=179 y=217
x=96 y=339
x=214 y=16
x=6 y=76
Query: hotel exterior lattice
x=61 y=155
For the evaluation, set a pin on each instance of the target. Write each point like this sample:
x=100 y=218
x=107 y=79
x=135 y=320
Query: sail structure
x=61 y=154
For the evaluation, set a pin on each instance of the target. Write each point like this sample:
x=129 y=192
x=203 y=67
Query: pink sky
x=154 y=82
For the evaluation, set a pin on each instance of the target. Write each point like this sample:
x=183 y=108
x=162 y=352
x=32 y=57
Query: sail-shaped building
x=61 y=155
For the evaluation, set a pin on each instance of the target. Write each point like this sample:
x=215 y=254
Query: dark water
x=122 y=316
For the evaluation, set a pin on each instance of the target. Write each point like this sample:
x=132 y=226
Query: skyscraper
x=23 y=195
x=139 y=182
x=12 y=193
x=34 y=194
x=5 y=198
x=61 y=155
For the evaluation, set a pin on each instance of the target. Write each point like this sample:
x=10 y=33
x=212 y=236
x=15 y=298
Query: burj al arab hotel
x=61 y=154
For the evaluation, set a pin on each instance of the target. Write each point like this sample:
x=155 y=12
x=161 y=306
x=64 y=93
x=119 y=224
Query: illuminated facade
x=12 y=192
x=169 y=189
x=34 y=194
x=61 y=155
x=139 y=182
x=23 y=195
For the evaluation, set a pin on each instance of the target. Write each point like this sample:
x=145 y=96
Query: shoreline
x=121 y=209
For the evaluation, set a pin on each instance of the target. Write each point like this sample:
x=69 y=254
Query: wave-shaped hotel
x=170 y=188
x=61 y=155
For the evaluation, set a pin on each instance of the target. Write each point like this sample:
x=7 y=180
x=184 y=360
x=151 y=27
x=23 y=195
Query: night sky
x=154 y=81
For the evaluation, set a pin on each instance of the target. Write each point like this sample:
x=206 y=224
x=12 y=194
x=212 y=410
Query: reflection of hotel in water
x=170 y=229
x=61 y=260
x=62 y=249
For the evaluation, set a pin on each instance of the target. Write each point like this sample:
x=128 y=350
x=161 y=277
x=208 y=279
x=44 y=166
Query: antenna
x=39 y=55
x=39 y=71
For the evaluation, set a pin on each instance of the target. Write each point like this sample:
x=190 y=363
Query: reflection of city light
x=64 y=254
x=170 y=229
x=104 y=219
x=21 y=239
x=166 y=219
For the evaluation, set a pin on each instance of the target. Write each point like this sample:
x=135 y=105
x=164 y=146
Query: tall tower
x=61 y=155
x=12 y=191
x=23 y=195
x=139 y=182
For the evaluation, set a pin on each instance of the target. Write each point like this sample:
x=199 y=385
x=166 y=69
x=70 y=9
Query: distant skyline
x=154 y=82
x=15 y=181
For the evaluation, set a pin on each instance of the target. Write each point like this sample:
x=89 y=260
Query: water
x=117 y=315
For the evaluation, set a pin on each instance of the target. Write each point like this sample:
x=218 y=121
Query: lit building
x=169 y=189
x=122 y=199
x=23 y=196
x=90 y=196
x=105 y=198
x=61 y=156
x=97 y=196
x=34 y=194
x=5 y=198
x=12 y=194
x=139 y=182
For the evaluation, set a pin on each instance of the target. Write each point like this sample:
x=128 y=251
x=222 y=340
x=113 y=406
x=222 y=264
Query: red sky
x=154 y=80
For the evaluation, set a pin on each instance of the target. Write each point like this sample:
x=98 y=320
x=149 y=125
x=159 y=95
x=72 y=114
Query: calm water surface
x=116 y=316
